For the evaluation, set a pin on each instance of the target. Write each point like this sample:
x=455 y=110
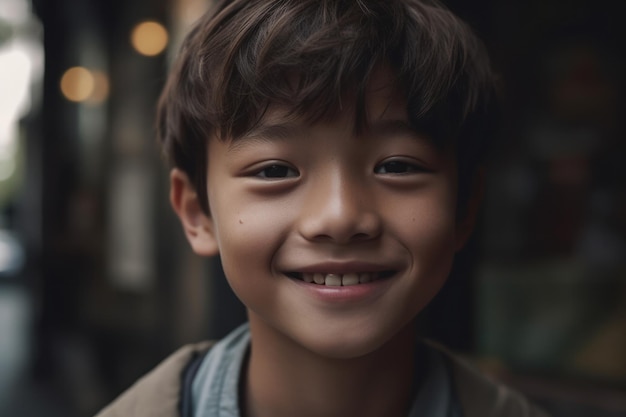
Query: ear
x=197 y=224
x=466 y=219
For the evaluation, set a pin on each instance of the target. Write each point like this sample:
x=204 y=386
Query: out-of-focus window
x=21 y=71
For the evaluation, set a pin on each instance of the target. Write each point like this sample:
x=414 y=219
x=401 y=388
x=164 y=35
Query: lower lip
x=350 y=293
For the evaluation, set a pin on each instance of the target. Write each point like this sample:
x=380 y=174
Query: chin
x=347 y=345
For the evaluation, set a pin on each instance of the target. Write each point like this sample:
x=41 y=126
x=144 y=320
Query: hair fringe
x=245 y=55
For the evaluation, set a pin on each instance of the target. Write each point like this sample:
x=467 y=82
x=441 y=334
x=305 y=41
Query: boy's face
x=293 y=202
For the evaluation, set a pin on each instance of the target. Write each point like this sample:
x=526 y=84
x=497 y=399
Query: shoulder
x=480 y=396
x=157 y=394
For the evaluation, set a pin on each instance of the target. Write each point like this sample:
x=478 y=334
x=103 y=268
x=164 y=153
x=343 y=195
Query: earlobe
x=467 y=219
x=197 y=224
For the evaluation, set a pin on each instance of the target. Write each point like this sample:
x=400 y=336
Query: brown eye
x=277 y=171
x=397 y=167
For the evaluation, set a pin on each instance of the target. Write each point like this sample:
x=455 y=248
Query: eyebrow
x=380 y=129
x=391 y=127
x=287 y=130
x=273 y=131
x=265 y=133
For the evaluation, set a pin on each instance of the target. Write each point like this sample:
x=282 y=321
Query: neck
x=285 y=379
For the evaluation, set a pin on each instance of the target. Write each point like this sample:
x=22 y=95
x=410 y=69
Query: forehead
x=380 y=104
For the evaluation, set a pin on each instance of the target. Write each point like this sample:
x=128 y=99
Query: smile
x=340 y=280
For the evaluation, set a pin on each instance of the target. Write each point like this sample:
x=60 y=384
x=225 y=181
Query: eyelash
x=282 y=170
x=398 y=167
x=278 y=171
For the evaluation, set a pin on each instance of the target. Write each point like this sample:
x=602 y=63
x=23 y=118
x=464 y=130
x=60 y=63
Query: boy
x=328 y=151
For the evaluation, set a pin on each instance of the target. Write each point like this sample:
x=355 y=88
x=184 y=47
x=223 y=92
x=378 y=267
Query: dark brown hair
x=244 y=55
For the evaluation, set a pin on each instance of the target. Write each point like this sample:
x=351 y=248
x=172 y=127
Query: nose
x=340 y=210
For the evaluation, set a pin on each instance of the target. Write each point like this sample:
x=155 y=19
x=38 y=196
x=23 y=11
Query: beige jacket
x=157 y=394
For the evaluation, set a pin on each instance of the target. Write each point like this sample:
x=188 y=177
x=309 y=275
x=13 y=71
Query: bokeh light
x=80 y=84
x=100 y=89
x=149 y=38
x=77 y=84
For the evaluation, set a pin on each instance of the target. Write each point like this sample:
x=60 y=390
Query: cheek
x=427 y=219
x=244 y=240
x=426 y=228
x=249 y=236
x=432 y=244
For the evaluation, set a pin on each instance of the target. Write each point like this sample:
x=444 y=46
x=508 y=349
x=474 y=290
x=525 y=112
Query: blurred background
x=97 y=283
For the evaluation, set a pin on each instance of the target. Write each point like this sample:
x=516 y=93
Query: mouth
x=340 y=280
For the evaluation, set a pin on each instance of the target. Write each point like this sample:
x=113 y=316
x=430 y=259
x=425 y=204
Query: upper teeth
x=336 y=280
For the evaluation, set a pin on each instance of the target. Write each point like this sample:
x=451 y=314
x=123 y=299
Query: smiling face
x=332 y=238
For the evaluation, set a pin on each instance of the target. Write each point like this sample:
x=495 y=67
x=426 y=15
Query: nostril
x=360 y=236
x=344 y=230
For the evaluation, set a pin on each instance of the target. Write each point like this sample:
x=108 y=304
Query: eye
x=398 y=167
x=277 y=171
